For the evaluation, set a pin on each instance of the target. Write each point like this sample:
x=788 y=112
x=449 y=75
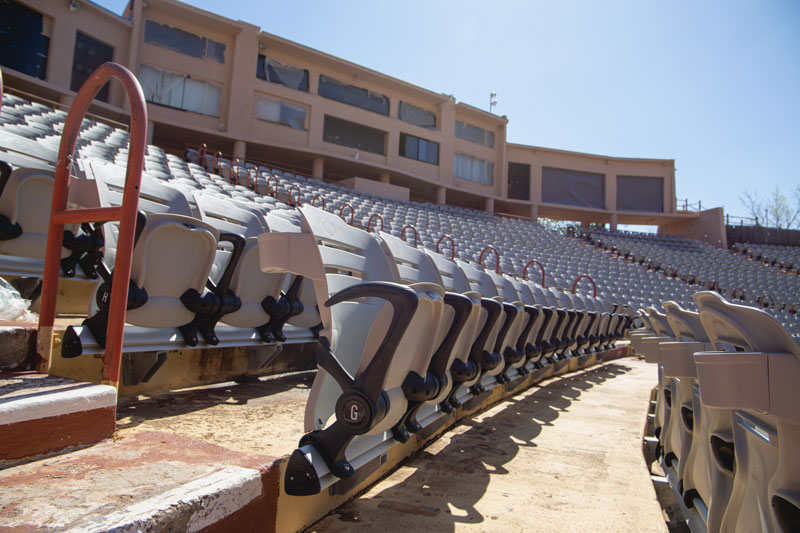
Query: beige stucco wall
x=236 y=123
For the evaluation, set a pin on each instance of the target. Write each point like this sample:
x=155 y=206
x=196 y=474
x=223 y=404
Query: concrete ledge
x=41 y=414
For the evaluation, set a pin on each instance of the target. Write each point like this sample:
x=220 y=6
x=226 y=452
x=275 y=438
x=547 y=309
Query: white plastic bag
x=13 y=306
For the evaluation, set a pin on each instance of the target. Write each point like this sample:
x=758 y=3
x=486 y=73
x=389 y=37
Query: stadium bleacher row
x=726 y=418
x=414 y=318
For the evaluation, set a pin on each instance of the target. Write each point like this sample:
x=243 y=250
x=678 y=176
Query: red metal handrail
x=533 y=262
x=369 y=222
x=497 y=256
x=771 y=301
x=299 y=195
x=452 y=246
x=125 y=214
x=416 y=235
x=318 y=195
x=793 y=309
x=673 y=273
x=252 y=178
x=690 y=276
x=594 y=285
x=233 y=177
x=352 y=213
x=201 y=153
x=733 y=293
x=273 y=192
x=216 y=164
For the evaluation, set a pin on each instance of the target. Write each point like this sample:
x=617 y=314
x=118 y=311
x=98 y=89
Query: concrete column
x=534 y=212
x=441 y=195
x=150 y=128
x=384 y=177
x=489 y=206
x=317 y=168
x=613 y=224
x=239 y=149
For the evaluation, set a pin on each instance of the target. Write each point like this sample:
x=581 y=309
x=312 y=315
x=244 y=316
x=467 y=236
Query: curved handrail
x=201 y=155
x=125 y=213
x=686 y=278
x=295 y=203
x=733 y=293
x=369 y=222
x=233 y=177
x=793 y=309
x=496 y=254
x=252 y=178
x=216 y=163
x=452 y=246
x=582 y=276
x=670 y=272
x=352 y=213
x=416 y=234
x=771 y=301
x=533 y=262
x=318 y=195
x=273 y=192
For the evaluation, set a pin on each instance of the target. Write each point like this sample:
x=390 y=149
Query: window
x=419 y=149
x=573 y=187
x=356 y=96
x=474 y=134
x=180 y=91
x=640 y=193
x=519 y=181
x=473 y=169
x=346 y=133
x=416 y=115
x=274 y=72
x=89 y=54
x=24 y=44
x=183 y=41
x=281 y=112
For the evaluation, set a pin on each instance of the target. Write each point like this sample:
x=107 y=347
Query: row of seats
x=413 y=335
x=783 y=257
x=726 y=415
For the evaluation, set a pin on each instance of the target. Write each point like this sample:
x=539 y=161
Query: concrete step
x=41 y=414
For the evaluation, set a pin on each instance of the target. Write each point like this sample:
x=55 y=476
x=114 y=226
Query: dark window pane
x=89 y=54
x=355 y=96
x=22 y=45
x=183 y=41
x=519 y=181
x=416 y=115
x=640 y=193
x=419 y=149
x=346 y=133
x=573 y=187
x=474 y=134
x=272 y=71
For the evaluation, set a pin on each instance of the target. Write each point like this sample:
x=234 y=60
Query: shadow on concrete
x=446 y=487
x=134 y=411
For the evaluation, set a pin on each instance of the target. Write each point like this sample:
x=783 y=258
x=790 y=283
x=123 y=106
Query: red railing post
x=125 y=214
x=793 y=309
x=252 y=178
x=416 y=235
x=216 y=165
x=369 y=222
x=452 y=246
x=352 y=213
x=201 y=155
x=582 y=276
x=313 y=200
x=533 y=262
x=273 y=192
x=497 y=256
x=299 y=195
x=733 y=293
x=233 y=178
x=762 y=299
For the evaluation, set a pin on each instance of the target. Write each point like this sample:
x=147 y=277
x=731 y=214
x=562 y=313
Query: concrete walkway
x=563 y=456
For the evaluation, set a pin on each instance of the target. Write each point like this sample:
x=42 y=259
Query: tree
x=773 y=210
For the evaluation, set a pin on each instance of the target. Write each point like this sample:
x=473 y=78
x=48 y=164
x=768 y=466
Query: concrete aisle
x=566 y=456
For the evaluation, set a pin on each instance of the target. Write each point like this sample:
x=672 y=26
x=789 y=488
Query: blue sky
x=714 y=85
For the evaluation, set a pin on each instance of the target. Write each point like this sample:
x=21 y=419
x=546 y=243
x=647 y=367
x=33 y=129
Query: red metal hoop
x=295 y=187
x=313 y=200
x=525 y=270
x=371 y=217
x=126 y=214
x=352 y=213
x=273 y=192
x=497 y=256
x=416 y=235
x=582 y=276
x=452 y=246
